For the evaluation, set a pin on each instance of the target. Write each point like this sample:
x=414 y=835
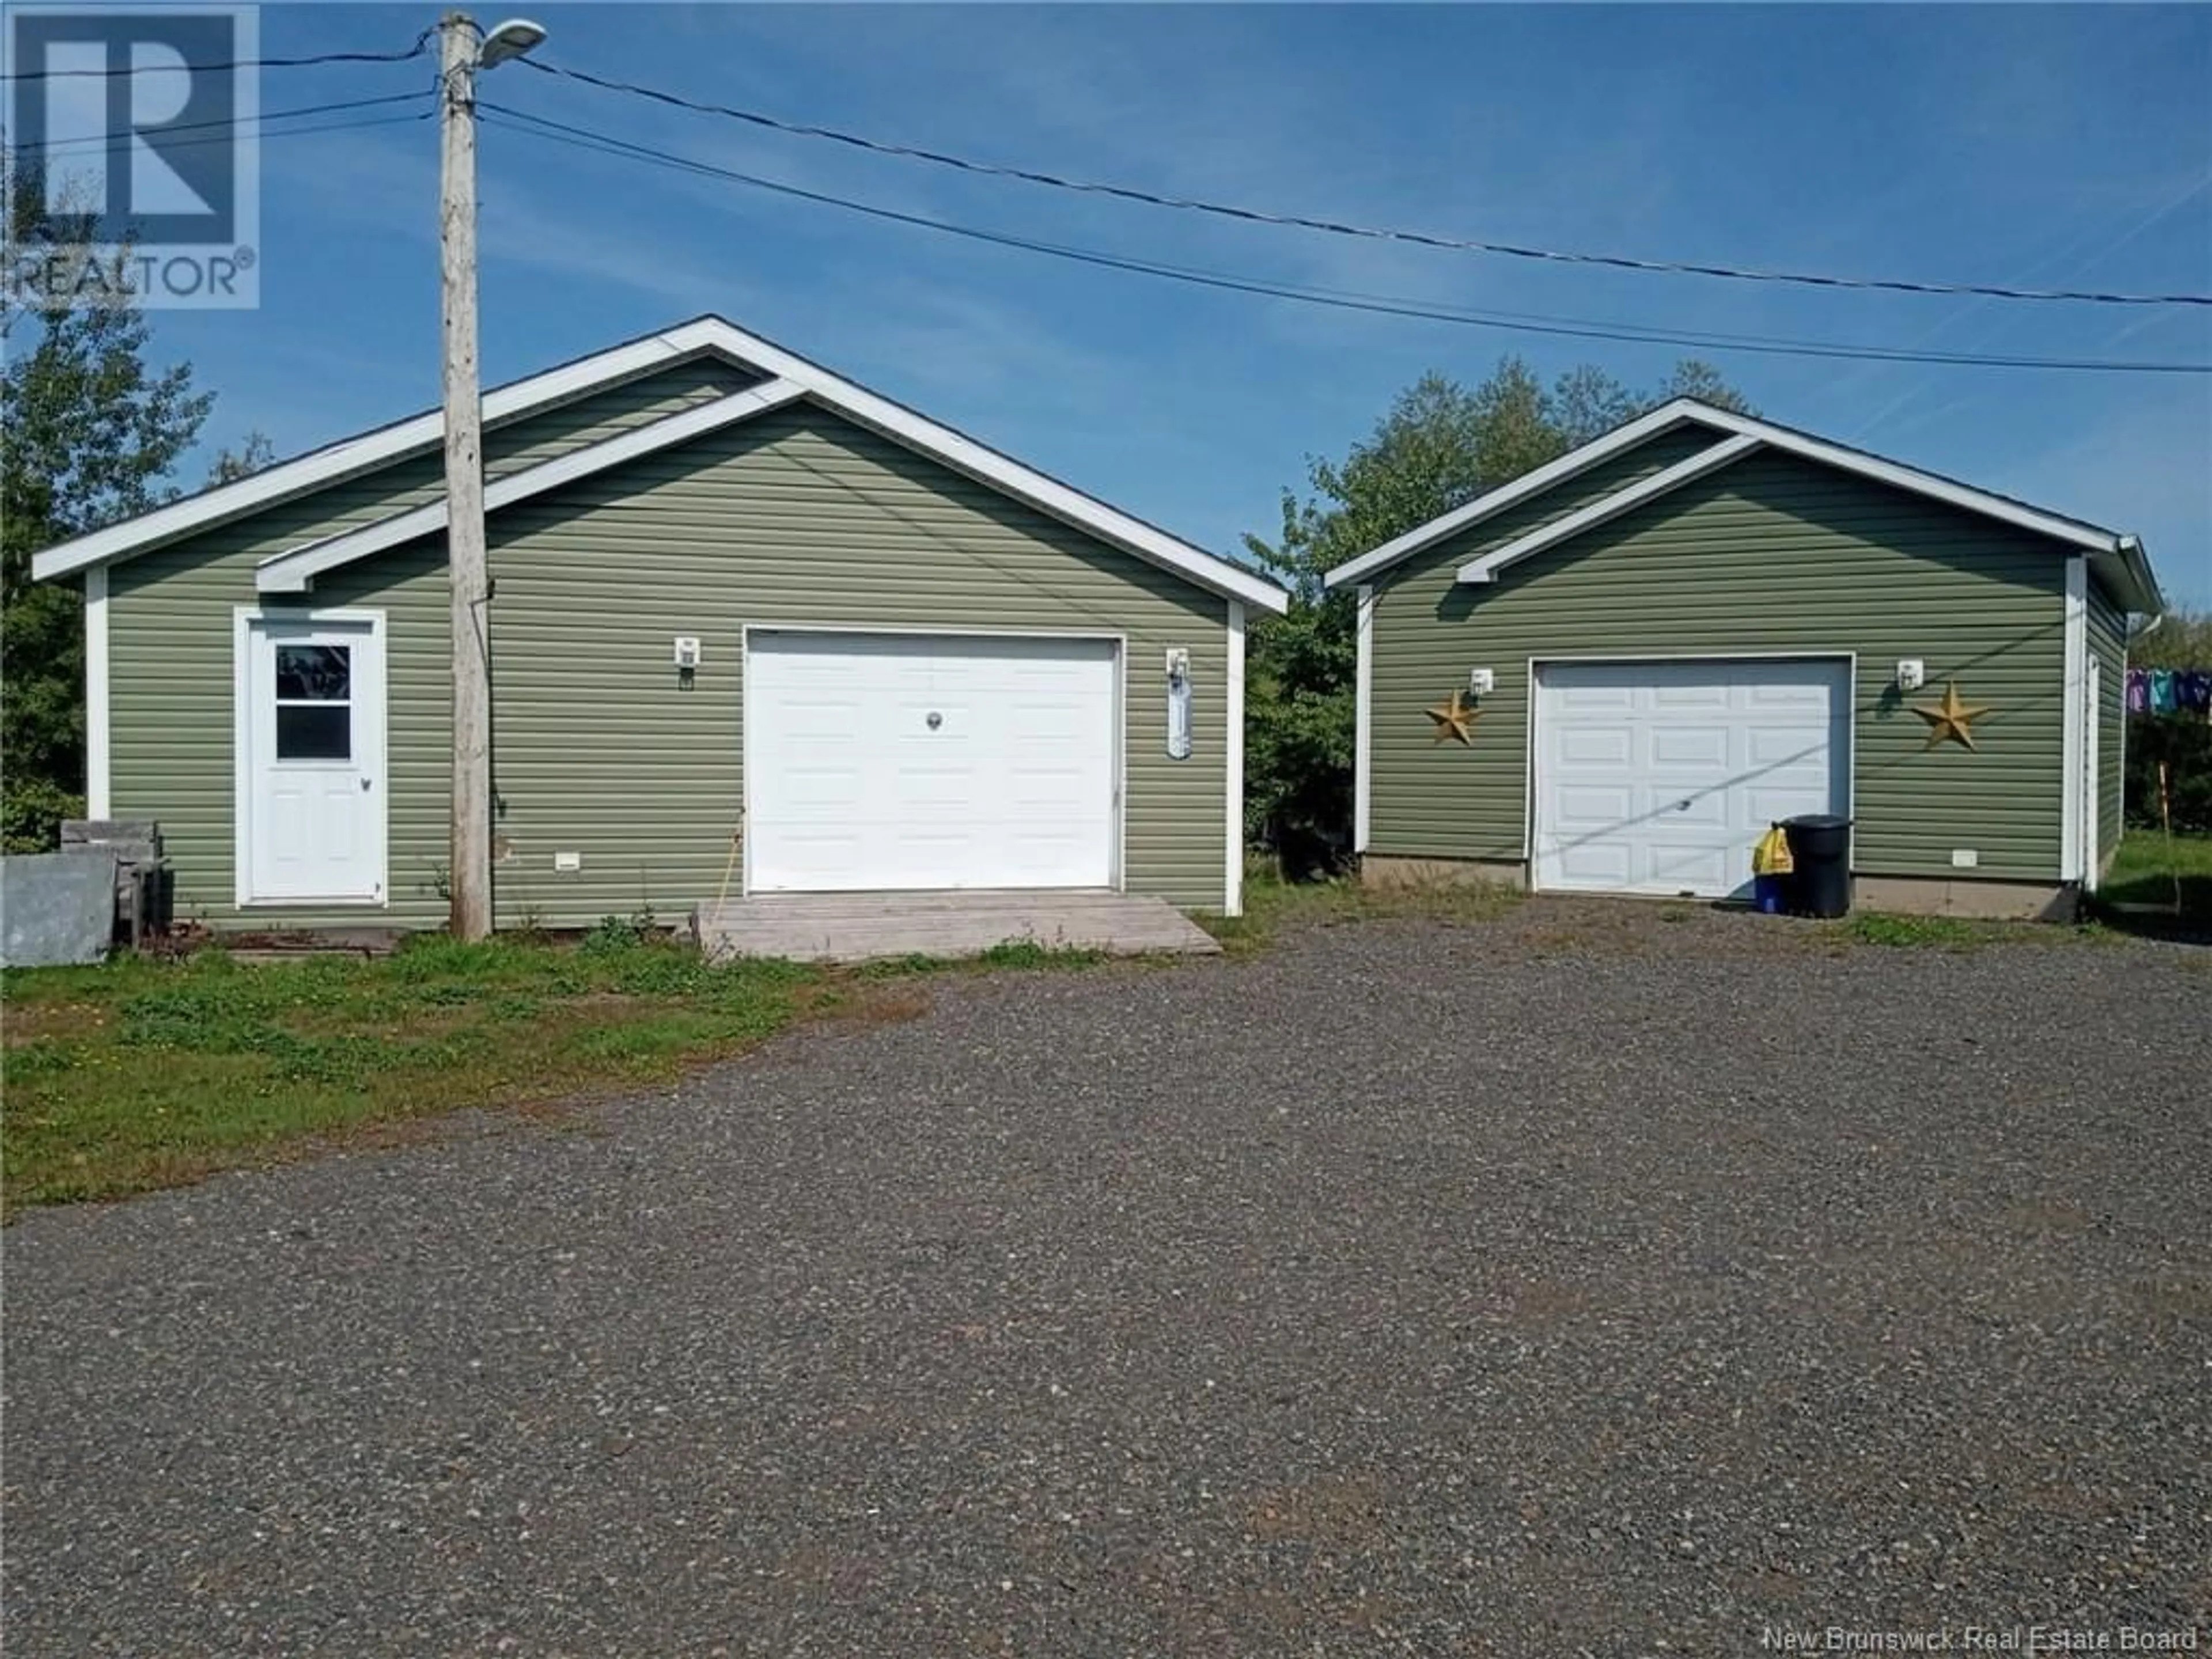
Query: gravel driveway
x=1607 y=1279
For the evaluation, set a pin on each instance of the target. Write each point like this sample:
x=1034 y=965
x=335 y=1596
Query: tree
x=1439 y=447
x=92 y=435
x=2182 y=639
x=254 y=454
x=2179 y=743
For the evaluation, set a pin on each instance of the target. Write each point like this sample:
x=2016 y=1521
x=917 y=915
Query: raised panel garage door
x=1659 y=777
x=893 y=762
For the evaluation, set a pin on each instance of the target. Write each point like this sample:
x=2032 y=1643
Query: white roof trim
x=964 y=455
x=296 y=572
x=703 y=335
x=1497 y=500
x=353 y=456
x=1729 y=450
x=1684 y=411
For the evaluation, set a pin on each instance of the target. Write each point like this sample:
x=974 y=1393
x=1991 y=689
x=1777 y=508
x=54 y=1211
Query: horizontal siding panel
x=797 y=517
x=1771 y=555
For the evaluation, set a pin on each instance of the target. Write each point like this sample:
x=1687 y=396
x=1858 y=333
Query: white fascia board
x=1916 y=481
x=1363 y=713
x=2129 y=575
x=706 y=334
x=1685 y=409
x=1559 y=471
x=1724 y=453
x=98 y=754
x=296 y=572
x=1232 y=874
x=2072 y=734
x=964 y=455
x=353 y=456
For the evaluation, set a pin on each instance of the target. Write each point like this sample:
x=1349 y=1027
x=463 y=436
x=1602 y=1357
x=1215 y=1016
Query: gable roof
x=789 y=378
x=2119 y=559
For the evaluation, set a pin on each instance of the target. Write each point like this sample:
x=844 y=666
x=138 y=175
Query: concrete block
x=56 y=909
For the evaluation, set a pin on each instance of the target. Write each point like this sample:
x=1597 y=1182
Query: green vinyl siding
x=2108 y=640
x=799 y=517
x=1774 y=555
x=796 y=517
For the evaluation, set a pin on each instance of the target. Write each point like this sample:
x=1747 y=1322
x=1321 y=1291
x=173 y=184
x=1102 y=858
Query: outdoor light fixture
x=509 y=39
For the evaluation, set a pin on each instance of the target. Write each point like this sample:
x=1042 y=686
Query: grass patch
x=1033 y=953
x=1920 y=932
x=1273 y=907
x=143 y=1074
x=2146 y=872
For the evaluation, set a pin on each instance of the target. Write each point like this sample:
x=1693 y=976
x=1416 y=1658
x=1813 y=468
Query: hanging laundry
x=2194 y=694
x=2162 y=700
x=2138 y=691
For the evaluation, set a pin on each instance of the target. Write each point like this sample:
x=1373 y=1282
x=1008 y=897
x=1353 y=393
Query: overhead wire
x=310 y=61
x=229 y=127
x=1337 y=227
x=545 y=129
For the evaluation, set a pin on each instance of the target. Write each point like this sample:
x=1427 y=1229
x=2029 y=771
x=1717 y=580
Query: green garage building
x=741 y=605
x=1612 y=674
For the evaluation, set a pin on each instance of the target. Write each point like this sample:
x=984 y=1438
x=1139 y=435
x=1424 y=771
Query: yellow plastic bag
x=1772 y=856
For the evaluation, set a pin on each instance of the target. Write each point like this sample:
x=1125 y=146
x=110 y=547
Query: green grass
x=1273 y=907
x=148 y=1074
x=1926 y=932
x=2144 y=871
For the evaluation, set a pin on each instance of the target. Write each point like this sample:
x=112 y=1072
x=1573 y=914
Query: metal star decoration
x=1953 y=717
x=1455 y=719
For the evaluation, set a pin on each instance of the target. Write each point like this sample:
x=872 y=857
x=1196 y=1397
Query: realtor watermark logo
x=143 y=123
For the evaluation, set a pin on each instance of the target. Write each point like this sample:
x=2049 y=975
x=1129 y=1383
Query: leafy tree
x=1439 y=447
x=2182 y=640
x=254 y=454
x=92 y=435
x=2181 y=743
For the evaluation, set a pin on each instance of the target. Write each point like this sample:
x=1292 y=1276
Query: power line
x=1419 y=239
x=585 y=138
x=420 y=46
x=229 y=127
x=302 y=133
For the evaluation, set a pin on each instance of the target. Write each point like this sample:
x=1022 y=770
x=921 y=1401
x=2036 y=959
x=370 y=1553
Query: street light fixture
x=509 y=39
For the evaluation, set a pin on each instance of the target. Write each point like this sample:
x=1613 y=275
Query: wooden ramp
x=867 y=926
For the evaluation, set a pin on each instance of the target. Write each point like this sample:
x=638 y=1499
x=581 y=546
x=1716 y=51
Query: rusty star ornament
x=1953 y=718
x=1455 y=718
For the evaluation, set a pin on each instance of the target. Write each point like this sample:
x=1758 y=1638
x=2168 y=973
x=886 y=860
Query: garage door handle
x=935 y=718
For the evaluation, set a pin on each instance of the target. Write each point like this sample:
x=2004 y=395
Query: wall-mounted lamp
x=1178 y=662
x=1912 y=674
x=1481 y=682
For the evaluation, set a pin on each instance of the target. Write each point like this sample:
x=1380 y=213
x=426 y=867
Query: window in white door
x=314 y=702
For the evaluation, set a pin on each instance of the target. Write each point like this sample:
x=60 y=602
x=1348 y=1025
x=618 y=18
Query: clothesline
x=2170 y=691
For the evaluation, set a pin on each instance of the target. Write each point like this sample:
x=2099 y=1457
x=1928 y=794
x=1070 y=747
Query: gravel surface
x=1605 y=1280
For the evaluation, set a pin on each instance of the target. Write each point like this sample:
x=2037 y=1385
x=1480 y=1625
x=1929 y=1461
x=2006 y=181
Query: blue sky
x=2040 y=145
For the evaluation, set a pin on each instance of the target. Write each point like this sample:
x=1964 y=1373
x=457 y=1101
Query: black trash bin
x=1820 y=855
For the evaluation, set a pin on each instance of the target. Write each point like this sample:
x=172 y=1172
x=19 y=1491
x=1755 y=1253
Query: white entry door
x=311 y=809
x=889 y=762
x=1660 y=777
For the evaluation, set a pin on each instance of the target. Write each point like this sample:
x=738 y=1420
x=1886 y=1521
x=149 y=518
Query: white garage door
x=1659 y=777
x=889 y=762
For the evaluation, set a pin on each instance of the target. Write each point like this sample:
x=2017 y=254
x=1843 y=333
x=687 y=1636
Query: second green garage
x=1612 y=674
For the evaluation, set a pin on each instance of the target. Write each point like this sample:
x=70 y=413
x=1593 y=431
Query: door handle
x=368 y=783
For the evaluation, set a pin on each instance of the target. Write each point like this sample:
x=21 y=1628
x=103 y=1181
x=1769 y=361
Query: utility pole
x=464 y=50
x=466 y=564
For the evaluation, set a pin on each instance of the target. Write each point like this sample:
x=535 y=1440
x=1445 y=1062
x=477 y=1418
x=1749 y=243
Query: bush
x=2184 y=744
x=30 y=814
